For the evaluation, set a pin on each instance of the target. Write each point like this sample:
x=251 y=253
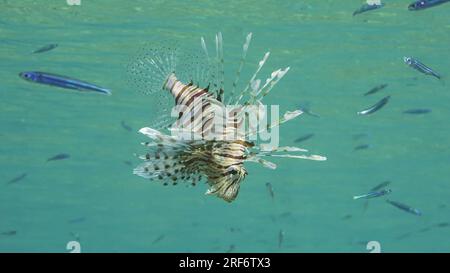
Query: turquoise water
x=94 y=198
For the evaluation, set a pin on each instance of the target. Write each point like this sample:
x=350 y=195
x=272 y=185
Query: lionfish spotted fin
x=208 y=141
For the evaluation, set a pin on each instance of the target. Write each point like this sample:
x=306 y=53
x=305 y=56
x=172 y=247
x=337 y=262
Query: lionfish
x=209 y=140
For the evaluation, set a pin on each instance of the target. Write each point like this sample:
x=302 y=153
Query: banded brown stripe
x=180 y=93
x=195 y=94
x=239 y=157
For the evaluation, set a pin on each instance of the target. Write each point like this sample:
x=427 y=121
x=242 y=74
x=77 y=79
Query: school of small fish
x=414 y=63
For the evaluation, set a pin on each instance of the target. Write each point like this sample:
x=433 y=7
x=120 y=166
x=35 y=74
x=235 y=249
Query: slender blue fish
x=405 y=207
x=424 y=4
x=416 y=64
x=61 y=81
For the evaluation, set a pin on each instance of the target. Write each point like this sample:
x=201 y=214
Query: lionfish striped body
x=208 y=140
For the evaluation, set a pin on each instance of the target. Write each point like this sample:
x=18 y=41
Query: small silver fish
x=381 y=186
x=75 y=235
x=306 y=108
x=425 y=229
x=9 y=233
x=361 y=147
x=158 y=239
x=376 y=89
x=127 y=162
x=77 y=220
x=126 y=126
x=372 y=194
x=231 y=248
x=417 y=111
x=417 y=65
x=17 y=179
x=442 y=225
x=377 y=106
x=368 y=7
x=378 y=187
x=232 y=229
x=58 y=157
x=360 y=135
x=45 y=48
x=405 y=207
x=280 y=238
x=304 y=138
x=347 y=217
x=270 y=190
x=404 y=236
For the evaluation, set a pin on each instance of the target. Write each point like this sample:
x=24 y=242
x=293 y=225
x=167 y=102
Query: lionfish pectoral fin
x=225 y=189
x=263 y=162
x=265 y=150
x=286 y=117
x=151 y=133
x=309 y=157
x=289 y=115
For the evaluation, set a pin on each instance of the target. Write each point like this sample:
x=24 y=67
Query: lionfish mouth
x=208 y=141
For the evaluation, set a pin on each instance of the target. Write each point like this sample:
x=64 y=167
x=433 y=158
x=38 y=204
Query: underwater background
x=93 y=197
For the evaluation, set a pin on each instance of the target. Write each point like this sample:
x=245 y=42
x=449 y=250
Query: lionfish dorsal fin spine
x=260 y=65
x=274 y=78
x=220 y=65
x=241 y=65
x=205 y=49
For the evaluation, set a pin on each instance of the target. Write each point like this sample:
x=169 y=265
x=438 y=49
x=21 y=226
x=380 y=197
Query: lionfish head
x=237 y=172
x=227 y=187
